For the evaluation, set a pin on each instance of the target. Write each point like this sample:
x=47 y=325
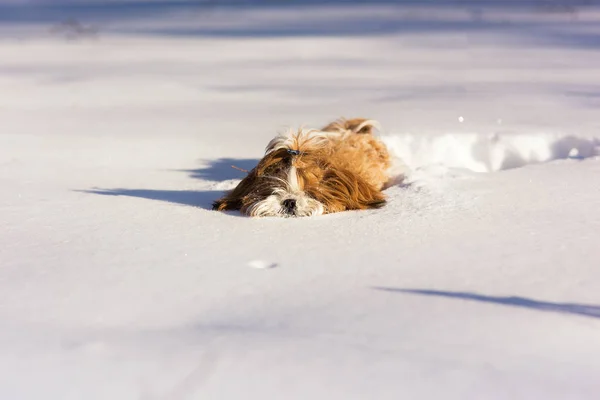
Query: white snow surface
x=480 y=279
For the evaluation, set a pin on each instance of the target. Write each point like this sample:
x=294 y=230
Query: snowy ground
x=480 y=280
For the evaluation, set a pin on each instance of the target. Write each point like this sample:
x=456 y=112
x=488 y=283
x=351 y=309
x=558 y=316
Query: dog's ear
x=226 y=204
x=341 y=190
x=257 y=183
x=233 y=200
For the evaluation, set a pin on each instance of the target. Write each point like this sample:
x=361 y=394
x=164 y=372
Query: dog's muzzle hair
x=312 y=172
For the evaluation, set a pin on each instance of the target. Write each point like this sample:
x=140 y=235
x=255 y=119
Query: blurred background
x=413 y=64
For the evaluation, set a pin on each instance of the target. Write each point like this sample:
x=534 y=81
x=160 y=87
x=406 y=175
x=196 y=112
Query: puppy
x=311 y=172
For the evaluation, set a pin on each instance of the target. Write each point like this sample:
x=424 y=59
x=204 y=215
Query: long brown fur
x=346 y=172
x=353 y=125
x=258 y=183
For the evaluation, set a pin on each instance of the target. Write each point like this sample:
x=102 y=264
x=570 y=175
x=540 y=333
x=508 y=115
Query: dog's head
x=297 y=178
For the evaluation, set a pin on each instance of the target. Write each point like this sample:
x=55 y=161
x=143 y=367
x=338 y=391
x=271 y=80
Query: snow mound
x=488 y=153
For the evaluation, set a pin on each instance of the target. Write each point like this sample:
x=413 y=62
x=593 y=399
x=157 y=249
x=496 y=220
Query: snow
x=489 y=153
x=478 y=280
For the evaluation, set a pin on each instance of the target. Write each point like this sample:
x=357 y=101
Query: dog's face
x=299 y=177
x=272 y=188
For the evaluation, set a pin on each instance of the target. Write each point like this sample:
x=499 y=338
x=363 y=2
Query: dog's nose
x=289 y=205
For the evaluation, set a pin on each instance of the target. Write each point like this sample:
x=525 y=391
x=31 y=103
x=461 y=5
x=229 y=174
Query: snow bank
x=488 y=153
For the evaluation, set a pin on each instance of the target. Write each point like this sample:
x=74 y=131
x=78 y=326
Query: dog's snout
x=289 y=205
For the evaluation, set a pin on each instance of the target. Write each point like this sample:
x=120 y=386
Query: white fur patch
x=272 y=206
x=293 y=180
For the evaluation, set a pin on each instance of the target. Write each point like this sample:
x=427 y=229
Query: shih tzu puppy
x=308 y=172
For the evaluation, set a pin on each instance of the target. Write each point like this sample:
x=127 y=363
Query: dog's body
x=312 y=172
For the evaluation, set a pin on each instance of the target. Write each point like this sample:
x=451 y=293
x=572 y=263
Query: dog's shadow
x=219 y=170
x=193 y=198
x=223 y=169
